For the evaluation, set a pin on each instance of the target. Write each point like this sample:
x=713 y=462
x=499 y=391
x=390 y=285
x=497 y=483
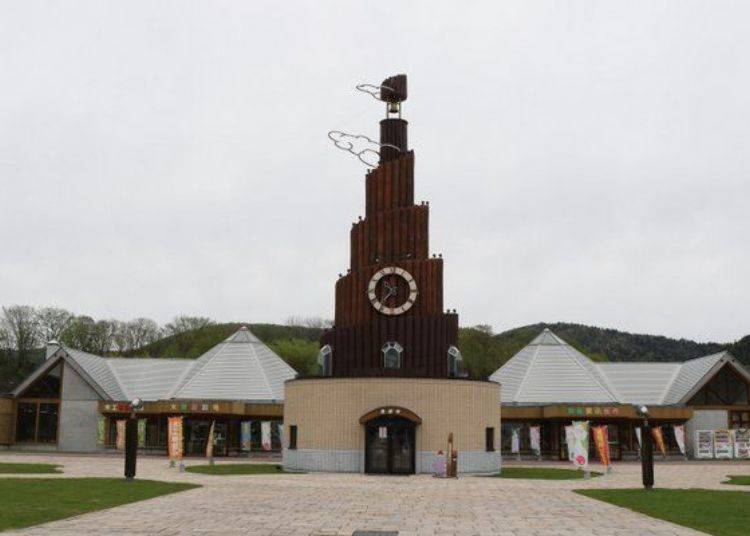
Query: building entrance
x=196 y=437
x=390 y=446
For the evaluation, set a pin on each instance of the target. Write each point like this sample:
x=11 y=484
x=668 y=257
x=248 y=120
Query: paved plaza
x=338 y=504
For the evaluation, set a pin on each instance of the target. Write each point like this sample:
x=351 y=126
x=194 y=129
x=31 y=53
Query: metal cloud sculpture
x=360 y=146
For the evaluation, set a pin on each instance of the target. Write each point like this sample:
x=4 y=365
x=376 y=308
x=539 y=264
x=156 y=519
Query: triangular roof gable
x=549 y=370
x=718 y=362
x=56 y=357
x=239 y=368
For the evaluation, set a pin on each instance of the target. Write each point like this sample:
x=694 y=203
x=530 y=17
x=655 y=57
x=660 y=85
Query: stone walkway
x=338 y=504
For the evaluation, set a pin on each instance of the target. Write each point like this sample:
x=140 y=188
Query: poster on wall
x=679 y=437
x=569 y=441
x=601 y=440
x=723 y=448
x=265 y=435
x=174 y=438
x=246 y=436
x=704 y=444
x=581 y=444
x=742 y=443
x=120 y=441
x=535 y=440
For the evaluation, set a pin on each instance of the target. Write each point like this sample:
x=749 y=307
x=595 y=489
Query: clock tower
x=389 y=318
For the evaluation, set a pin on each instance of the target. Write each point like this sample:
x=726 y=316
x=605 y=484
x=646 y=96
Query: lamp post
x=647 y=450
x=131 y=439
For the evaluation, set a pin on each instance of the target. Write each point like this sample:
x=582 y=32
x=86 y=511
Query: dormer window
x=392 y=355
x=325 y=360
x=455 y=363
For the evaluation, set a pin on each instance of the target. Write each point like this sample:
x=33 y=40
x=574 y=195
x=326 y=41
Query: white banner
x=679 y=436
x=704 y=443
x=265 y=435
x=638 y=435
x=742 y=443
x=281 y=434
x=581 y=443
x=535 y=439
x=569 y=441
x=723 y=447
x=515 y=441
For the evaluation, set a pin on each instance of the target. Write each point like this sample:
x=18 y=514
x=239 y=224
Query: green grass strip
x=237 y=469
x=722 y=513
x=738 y=480
x=543 y=473
x=30 y=501
x=28 y=468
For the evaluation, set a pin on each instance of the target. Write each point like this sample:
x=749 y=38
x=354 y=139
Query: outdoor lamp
x=131 y=438
x=647 y=450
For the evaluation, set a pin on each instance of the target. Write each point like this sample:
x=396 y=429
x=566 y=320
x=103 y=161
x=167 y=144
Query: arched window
x=392 y=354
x=455 y=363
x=325 y=360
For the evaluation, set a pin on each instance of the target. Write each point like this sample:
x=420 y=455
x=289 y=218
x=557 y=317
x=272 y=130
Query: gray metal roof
x=240 y=368
x=549 y=371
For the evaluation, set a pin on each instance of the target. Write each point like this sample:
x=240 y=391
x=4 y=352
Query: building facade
x=391 y=392
x=74 y=400
x=550 y=384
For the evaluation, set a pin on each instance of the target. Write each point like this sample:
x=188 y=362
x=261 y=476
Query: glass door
x=389 y=446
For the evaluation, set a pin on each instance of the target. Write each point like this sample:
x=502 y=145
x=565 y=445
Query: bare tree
x=309 y=322
x=141 y=332
x=52 y=322
x=182 y=323
x=20 y=324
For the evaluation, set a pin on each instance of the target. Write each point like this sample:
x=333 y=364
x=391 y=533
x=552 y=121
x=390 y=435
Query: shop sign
x=592 y=411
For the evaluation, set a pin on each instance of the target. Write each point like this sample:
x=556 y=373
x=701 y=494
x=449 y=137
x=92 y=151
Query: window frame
x=325 y=360
x=37 y=403
x=489 y=439
x=292 y=444
x=388 y=347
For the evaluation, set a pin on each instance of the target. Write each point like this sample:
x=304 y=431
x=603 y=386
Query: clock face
x=392 y=290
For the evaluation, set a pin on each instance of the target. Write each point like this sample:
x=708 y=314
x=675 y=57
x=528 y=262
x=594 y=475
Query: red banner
x=659 y=438
x=601 y=440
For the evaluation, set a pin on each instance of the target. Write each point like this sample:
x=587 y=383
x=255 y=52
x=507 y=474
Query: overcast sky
x=584 y=161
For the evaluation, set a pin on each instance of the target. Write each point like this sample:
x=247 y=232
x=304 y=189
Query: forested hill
x=483 y=350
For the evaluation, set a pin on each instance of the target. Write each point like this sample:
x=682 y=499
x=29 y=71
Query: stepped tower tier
x=389 y=317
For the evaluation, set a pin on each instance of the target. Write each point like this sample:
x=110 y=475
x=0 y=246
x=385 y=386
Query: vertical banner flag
x=141 y=432
x=569 y=441
x=174 y=438
x=265 y=435
x=581 y=443
x=101 y=424
x=723 y=444
x=742 y=443
x=659 y=439
x=245 y=436
x=704 y=444
x=601 y=440
x=515 y=441
x=535 y=439
x=638 y=436
x=280 y=427
x=210 y=441
x=120 y=442
x=679 y=436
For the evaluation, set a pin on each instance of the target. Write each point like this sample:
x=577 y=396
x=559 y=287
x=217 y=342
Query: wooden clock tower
x=389 y=318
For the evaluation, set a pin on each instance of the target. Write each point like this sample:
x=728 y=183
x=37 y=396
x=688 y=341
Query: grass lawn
x=237 y=469
x=30 y=501
x=740 y=480
x=542 y=473
x=723 y=513
x=27 y=468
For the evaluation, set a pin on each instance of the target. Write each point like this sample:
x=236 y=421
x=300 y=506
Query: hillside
x=483 y=351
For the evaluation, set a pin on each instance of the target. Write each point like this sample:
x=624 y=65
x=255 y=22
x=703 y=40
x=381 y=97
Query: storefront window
x=26 y=422
x=47 y=431
x=36 y=422
x=739 y=419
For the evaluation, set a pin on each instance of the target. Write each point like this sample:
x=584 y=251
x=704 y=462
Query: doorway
x=196 y=437
x=390 y=446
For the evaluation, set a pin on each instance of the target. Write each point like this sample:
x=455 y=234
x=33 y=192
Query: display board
x=704 y=444
x=723 y=448
x=742 y=443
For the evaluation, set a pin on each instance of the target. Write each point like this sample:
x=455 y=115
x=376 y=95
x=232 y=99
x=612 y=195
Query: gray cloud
x=584 y=161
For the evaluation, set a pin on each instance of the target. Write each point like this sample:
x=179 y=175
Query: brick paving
x=339 y=504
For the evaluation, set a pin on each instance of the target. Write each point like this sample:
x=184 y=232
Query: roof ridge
x=528 y=369
x=120 y=383
x=611 y=392
x=262 y=369
x=182 y=382
x=670 y=383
